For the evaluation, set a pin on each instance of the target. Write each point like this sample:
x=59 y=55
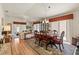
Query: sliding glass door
x=59 y=26
x=62 y=27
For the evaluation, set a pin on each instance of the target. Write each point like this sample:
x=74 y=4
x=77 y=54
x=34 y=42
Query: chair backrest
x=62 y=35
x=55 y=32
x=35 y=32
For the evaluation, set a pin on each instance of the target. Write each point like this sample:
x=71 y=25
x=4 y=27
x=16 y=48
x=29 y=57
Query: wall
x=10 y=19
x=75 y=23
x=73 y=26
x=1 y=18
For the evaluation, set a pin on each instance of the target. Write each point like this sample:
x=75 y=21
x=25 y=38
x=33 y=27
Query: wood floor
x=25 y=47
x=20 y=47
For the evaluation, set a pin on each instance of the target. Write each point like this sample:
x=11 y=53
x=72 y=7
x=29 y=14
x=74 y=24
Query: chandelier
x=45 y=19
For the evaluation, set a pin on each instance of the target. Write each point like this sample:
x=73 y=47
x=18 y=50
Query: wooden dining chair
x=35 y=36
x=45 y=40
x=58 y=41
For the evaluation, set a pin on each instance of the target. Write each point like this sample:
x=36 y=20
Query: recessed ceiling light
x=49 y=7
x=6 y=11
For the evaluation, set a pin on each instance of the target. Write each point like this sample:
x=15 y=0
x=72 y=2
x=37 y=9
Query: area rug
x=5 y=49
x=42 y=50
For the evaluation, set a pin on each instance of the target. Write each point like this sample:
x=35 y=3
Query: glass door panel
x=62 y=27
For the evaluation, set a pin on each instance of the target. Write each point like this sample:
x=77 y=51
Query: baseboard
x=67 y=42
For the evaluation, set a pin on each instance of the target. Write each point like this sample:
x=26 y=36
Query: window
x=62 y=27
x=59 y=26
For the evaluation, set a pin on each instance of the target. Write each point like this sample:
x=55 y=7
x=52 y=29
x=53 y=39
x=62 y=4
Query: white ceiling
x=37 y=10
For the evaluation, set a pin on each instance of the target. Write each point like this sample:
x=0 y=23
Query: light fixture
x=6 y=11
x=49 y=6
x=7 y=28
x=46 y=20
x=43 y=21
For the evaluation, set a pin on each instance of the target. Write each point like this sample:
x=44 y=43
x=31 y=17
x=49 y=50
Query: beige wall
x=10 y=19
x=73 y=26
x=75 y=23
x=1 y=18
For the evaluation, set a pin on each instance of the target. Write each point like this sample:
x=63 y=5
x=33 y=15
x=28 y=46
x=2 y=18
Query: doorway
x=17 y=28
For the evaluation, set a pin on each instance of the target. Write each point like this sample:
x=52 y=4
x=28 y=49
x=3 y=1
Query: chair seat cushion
x=58 y=41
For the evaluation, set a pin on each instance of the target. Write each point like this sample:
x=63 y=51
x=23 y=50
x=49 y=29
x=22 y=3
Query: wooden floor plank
x=20 y=47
